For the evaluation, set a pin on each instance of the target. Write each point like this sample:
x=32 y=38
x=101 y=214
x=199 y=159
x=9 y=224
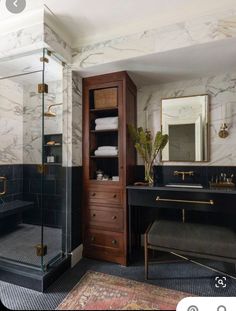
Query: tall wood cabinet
x=104 y=201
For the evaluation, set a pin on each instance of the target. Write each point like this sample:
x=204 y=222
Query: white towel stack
x=106 y=151
x=110 y=123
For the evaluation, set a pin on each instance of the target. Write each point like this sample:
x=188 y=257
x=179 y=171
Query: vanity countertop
x=203 y=190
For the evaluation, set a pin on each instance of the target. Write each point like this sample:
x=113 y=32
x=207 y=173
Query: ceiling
x=91 y=21
x=187 y=63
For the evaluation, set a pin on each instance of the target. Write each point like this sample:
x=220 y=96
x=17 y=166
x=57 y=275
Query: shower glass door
x=21 y=165
x=55 y=158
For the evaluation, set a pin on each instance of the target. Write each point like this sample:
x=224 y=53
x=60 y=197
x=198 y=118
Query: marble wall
x=33 y=122
x=11 y=122
x=222 y=91
x=211 y=28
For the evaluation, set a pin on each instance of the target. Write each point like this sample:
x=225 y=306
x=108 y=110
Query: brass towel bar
x=4 y=180
x=211 y=202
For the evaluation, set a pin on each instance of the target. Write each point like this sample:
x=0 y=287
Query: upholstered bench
x=196 y=240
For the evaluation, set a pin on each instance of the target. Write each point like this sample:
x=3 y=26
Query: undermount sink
x=196 y=186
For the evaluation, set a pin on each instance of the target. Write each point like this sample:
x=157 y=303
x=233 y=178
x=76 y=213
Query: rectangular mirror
x=185 y=120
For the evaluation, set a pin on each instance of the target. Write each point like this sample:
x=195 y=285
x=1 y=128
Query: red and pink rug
x=97 y=291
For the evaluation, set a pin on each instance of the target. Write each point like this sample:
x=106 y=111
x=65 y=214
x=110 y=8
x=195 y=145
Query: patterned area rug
x=97 y=291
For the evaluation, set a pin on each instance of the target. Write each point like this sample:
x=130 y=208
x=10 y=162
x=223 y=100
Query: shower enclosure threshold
x=32 y=278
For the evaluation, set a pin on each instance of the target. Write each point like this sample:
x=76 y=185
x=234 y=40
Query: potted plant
x=148 y=148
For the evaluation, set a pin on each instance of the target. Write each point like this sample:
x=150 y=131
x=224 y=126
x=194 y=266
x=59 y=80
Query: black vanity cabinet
x=146 y=204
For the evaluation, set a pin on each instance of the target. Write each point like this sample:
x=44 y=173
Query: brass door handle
x=4 y=180
x=211 y=202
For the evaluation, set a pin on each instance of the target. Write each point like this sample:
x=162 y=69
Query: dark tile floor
x=182 y=276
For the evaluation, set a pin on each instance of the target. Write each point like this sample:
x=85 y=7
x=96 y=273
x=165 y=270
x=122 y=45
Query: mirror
x=185 y=120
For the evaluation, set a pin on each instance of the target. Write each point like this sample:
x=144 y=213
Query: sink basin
x=195 y=186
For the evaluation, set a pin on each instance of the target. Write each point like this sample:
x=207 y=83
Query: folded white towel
x=106 y=127
x=106 y=152
x=109 y=120
x=107 y=148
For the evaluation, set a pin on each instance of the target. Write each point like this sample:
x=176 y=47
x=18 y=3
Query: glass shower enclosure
x=34 y=175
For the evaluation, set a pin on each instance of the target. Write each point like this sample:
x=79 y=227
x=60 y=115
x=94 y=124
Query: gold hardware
x=41 y=250
x=224 y=133
x=42 y=88
x=94 y=215
x=114 y=242
x=211 y=202
x=50 y=113
x=114 y=196
x=44 y=60
x=114 y=218
x=177 y=173
x=4 y=180
x=92 y=238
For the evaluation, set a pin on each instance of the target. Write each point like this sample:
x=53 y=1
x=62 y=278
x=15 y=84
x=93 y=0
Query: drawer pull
x=92 y=238
x=114 y=196
x=211 y=202
x=114 y=217
x=94 y=194
x=94 y=215
x=114 y=242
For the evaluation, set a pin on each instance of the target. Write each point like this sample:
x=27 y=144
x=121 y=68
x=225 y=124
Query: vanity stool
x=195 y=240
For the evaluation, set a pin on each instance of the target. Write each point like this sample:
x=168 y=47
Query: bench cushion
x=196 y=238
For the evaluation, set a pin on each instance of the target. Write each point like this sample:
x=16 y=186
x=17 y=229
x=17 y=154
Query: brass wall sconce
x=224 y=132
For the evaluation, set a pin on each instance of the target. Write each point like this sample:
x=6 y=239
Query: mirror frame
x=207 y=129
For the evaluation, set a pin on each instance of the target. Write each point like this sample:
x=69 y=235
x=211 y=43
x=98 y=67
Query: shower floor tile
x=19 y=245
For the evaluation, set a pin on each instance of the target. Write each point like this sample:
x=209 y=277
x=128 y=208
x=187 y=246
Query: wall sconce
x=224 y=132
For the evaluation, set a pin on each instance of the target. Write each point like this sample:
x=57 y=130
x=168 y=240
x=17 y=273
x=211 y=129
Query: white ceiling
x=90 y=21
x=187 y=63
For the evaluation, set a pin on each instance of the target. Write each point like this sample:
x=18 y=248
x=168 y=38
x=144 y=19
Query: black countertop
x=203 y=190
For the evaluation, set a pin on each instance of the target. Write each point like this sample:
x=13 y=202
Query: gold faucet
x=177 y=173
x=4 y=180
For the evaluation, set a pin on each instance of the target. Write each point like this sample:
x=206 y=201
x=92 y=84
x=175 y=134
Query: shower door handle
x=4 y=181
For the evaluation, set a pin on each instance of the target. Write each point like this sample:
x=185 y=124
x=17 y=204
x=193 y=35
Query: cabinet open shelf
x=104 y=131
x=104 y=157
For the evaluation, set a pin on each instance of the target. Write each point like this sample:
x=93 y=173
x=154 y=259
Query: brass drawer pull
x=114 y=196
x=4 y=180
x=114 y=217
x=92 y=238
x=94 y=215
x=114 y=242
x=94 y=194
x=211 y=202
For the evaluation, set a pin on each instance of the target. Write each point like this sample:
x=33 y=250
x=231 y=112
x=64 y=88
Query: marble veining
x=222 y=91
x=206 y=29
x=11 y=122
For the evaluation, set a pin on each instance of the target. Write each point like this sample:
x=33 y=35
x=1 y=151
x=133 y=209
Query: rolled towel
x=106 y=127
x=112 y=148
x=109 y=120
x=106 y=152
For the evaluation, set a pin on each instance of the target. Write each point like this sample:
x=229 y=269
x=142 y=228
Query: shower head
x=50 y=113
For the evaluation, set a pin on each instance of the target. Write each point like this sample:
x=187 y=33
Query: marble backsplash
x=222 y=91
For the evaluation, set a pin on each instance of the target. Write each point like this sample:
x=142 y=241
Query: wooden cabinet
x=112 y=96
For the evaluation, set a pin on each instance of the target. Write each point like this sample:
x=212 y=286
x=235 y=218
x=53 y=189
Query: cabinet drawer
x=104 y=197
x=111 y=219
x=111 y=241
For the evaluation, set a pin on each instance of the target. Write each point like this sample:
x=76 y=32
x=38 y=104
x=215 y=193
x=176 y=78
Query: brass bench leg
x=146 y=256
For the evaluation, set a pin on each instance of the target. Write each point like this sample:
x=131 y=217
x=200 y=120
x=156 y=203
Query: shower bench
x=14 y=208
